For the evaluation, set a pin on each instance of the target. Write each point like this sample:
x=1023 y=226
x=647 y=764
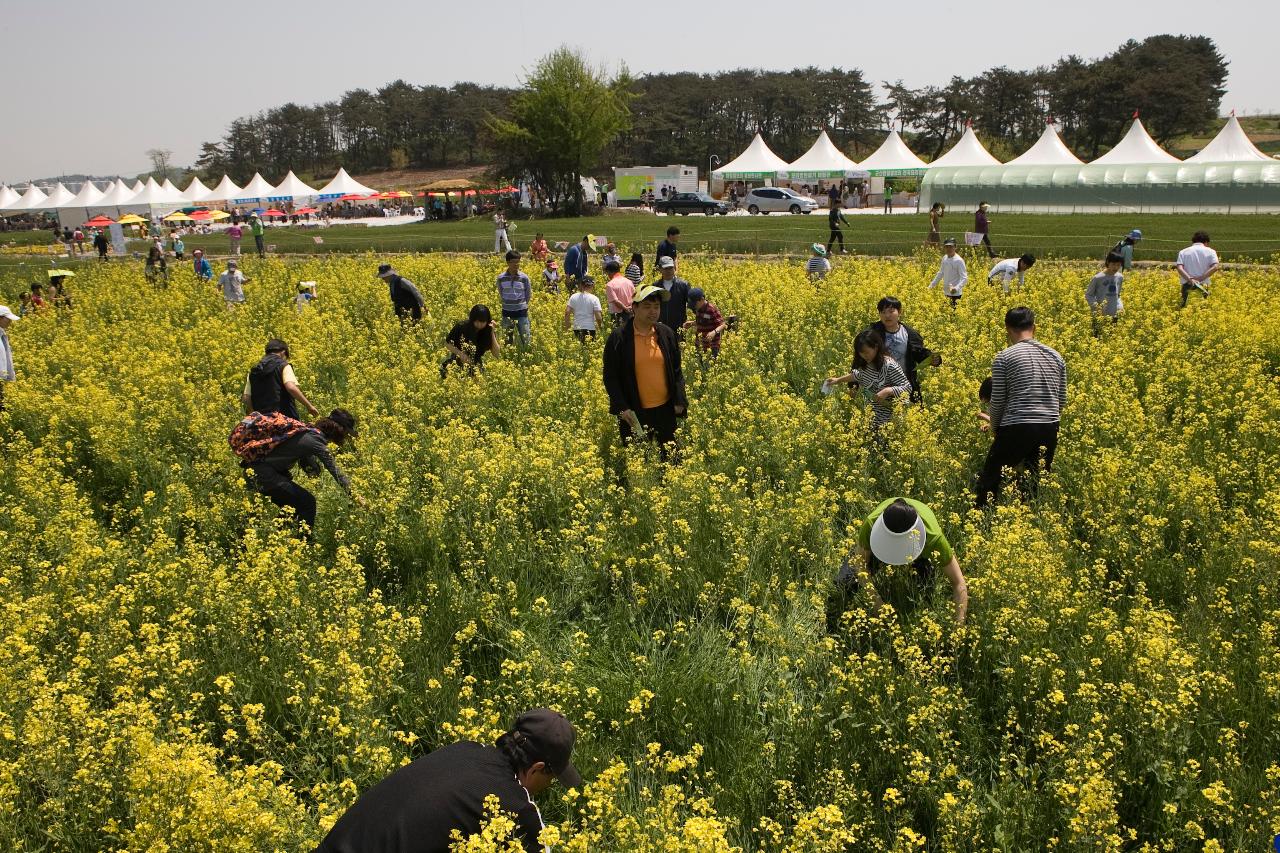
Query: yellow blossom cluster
x=179 y=672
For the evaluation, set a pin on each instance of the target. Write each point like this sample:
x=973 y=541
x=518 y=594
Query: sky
x=91 y=86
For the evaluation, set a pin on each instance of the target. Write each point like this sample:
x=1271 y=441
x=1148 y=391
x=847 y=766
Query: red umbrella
x=274 y=212
x=357 y=197
x=307 y=210
x=201 y=215
x=100 y=222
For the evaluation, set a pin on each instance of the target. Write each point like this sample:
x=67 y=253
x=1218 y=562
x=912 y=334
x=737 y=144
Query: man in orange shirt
x=642 y=373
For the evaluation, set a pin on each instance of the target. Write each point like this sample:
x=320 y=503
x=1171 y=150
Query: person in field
x=232 y=283
x=469 y=340
x=438 y=799
x=817 y=266
x=200 y=266
x=903 y=343
x=1125 y=248
x=7 y=374
x=709 y=324
x=516 y=292
x=619 y=293
x=1196 y=265
x=951 y=273
x=1007 y=270
x=405 y=298
x=583 y=314
x=1103 y=293
x=642 y=373
x=880 y=379
x=272 y=386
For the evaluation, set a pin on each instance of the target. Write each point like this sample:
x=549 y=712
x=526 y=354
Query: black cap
x=277 y=345
x=551 y=736
x=900 y=516
x=384 y=270
x=346 y=420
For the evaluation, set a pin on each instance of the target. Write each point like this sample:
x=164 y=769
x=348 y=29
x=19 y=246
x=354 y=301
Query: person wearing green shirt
x=257 y=229
x=898 y=532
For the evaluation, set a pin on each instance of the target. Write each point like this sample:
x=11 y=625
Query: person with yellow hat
x=642 y=373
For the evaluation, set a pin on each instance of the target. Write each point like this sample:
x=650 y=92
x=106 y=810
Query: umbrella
x=219 y=214
x=61 y=274
x=132 y=219
x=307 y=210
x=201 y=215
x=274 y=212
x=178 y=216
x=99 y=222
x=357 y=197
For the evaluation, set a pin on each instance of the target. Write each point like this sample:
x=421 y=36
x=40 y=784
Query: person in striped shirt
x=818 y=265
x=1028 y=390
x=635 y=269
x=877 y=375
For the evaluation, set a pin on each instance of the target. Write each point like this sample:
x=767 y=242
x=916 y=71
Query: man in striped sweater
x=1028 y=390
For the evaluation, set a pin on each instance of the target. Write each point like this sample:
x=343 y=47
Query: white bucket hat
x=897 y=548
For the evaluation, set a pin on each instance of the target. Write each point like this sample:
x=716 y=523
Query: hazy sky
x=90 y=86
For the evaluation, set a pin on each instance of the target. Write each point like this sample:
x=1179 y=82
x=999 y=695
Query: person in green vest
x=256 y=228
x=900 y=532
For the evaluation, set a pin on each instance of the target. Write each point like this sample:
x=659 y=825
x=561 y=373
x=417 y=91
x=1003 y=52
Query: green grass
x=1236 y=237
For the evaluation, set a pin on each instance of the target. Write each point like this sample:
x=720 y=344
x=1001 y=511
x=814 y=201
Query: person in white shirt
x=583 y=314
x=7 y=319
x=952 y=273
x=1196 y=265
x=1010 y=268
x=232 y=282
x=500 y=241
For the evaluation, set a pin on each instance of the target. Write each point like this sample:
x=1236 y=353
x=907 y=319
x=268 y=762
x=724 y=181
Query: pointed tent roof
x=1231 y=145
x=822 y=160
x=225 y=190
x=342 y=184
x=1136 y=147
x=755 y=162
x=195 y=191
x=33 y=196
x=138 y=187
x=174 y=193
x=117 y=195
x=893 y=157
x=1049 y=150
x=153 y=194
x=256 y=190
x=968 y=151
x=89 y=196
x=7 y=197
x=56 y=199
x=292 y=187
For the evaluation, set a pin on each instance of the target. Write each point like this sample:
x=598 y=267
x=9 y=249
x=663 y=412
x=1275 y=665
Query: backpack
x=1117 y=247
x=257 y=435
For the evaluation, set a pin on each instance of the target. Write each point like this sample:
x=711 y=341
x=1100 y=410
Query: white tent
x=76 y=211
x=32 y=197
x=138 y=187
x=256 y=190
x=174 y=193
x=56 y=199
x=342 y=184
x=1137 y=147
x=117 y=195
x=1049 y=150
x=224 y=191
x=969 y=151
x=756 y=163
x=292 y=188
x=195 y=192
x=8 y=197
x=893 y=157
x=153 y=195
x=1231 y=145
x=823 y=160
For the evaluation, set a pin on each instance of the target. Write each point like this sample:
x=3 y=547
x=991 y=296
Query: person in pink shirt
x=235 y=232
x=619 y=292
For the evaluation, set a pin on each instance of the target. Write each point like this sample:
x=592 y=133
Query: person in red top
x=538 y=248
x=708 y=321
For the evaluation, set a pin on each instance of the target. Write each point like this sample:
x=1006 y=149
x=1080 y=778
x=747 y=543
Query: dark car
x=686 y=203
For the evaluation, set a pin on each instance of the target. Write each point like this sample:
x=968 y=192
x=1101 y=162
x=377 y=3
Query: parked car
x=777 y=200
x=686 y=203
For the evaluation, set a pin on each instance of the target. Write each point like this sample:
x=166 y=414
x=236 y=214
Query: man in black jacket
x=674 y=311
x=642 y=373
x=904 y=343
x=272 y=386
x=405 y=297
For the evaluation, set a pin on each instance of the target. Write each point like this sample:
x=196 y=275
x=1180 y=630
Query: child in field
x=984 y=400
x=1103 y=292
x=538 y=248
x=306 y=294
x=876 y=374
x=551 y=276
x=818 y=265
x=583 y=313
x=951 y=272
x=1005 y=271
x=708 y=321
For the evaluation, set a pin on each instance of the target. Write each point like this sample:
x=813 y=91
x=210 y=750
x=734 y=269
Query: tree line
x=1175 y=82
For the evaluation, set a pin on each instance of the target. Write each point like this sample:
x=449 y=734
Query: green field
x=1236 y=237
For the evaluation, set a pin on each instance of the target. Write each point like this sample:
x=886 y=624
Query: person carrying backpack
x=1125 y=249
x=270 y=445
x=272 y=386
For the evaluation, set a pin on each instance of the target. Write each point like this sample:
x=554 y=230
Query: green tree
x=560 y=122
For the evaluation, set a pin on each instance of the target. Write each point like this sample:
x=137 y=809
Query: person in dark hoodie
x=904 y=343
x=405 y=298
x=642 y=372
x=308 y=447
x=272 y=386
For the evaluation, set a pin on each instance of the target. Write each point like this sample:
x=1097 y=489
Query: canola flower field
x=178 y=673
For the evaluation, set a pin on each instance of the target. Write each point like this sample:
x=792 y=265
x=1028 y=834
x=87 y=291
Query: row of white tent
x=150 y=194
x=823 y=159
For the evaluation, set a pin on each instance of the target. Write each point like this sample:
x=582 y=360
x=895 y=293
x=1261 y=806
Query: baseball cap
x=666 y=262
x=696 y=295
x=950 y=241
x=819 y=250
x=898 y=535
x=6 y=312
x=552 y=737
x=1135 y=234
x=346 y=420
x=652 y=290
x=385 y=270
